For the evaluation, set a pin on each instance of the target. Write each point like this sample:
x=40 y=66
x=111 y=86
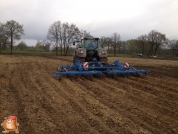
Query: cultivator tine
x=70 y=73
x=96 y=68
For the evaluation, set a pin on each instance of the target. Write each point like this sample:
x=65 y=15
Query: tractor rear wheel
x=81 y=59
x=105 y=60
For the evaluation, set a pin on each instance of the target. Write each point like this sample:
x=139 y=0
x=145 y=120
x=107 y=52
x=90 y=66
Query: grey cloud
x=37 y=16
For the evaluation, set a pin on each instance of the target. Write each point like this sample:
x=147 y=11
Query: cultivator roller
x=98 y=68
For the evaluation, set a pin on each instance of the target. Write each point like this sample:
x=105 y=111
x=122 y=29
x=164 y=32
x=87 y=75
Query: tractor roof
x=90 y=38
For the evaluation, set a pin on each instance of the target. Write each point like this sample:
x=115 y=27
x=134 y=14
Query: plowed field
x=80 y=105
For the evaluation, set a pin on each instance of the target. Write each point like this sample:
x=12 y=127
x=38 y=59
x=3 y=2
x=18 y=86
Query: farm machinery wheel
x=105 y=60
x=81 y=59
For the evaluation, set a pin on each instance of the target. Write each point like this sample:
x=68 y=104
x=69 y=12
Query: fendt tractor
x=88 y=49
x=91 y=58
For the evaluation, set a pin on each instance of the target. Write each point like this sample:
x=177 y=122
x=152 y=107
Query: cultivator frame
x=98 y=68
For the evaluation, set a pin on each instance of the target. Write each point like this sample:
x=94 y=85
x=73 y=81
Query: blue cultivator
x=98 y=68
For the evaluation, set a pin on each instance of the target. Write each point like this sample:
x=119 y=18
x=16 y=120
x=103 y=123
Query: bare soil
x=88 y=105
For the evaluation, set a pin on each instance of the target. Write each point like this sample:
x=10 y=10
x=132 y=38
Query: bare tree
x=142 y=40
x=73 y=33
x=65 y=27
x=62 y=34
x=103 y=41
x=84 y=33
x=115 y=41
x=106 y=41
x=131 y=46
x=45 y=45
x=54 y=34
x=69 y=32
x=2 y=36
x=173 y=44
x=155 y=38
x=13 y=30
x=123 y=44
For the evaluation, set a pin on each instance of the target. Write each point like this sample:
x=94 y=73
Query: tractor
x=88 y=49
x=90 y=58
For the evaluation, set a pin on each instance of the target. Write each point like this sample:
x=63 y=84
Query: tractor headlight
x=103 y=52
x=80 y=51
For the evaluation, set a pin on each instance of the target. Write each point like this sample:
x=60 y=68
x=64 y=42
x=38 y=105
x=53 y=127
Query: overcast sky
x=129 y=18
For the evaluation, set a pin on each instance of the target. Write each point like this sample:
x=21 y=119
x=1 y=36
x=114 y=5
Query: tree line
x=61 y=35
x=146 y=44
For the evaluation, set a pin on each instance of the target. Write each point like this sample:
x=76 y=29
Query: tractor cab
x=90 y=44
x=90 y=48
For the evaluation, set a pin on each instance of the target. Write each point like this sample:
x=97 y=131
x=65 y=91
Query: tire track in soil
x=65 y=113
x=163 y=92
x=64 y=126
x=155 y=91
x=12 y=98
x=99 y=113
x=161 y=87
x=145 y=113
x=124 y=124
x=105 y=103
x=150 y=80
x=8 y=104
x=114 y=104
x=124 y=82
x=35 y=111
x=167 y=103
x=69 y=119
x=164 y=80
x=6 y=96
x=157 y=108
x=169 y=107
x=15 y=86
x=79 y=108
x=164 y=72
x=44 y=105
x=60 y=114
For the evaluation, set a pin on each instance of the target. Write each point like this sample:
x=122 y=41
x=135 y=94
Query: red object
x=103 y=52
x=80 y=52
x=85 y=65
x=11 y=117
x=126 y=65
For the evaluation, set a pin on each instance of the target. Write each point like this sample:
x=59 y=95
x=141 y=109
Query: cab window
x=91 y=44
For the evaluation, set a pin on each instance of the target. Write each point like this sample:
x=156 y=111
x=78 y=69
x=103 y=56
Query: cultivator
x=98 y=68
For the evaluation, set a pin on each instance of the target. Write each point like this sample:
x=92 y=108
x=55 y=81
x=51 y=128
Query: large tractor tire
x=81 y=59
x=105 y=60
